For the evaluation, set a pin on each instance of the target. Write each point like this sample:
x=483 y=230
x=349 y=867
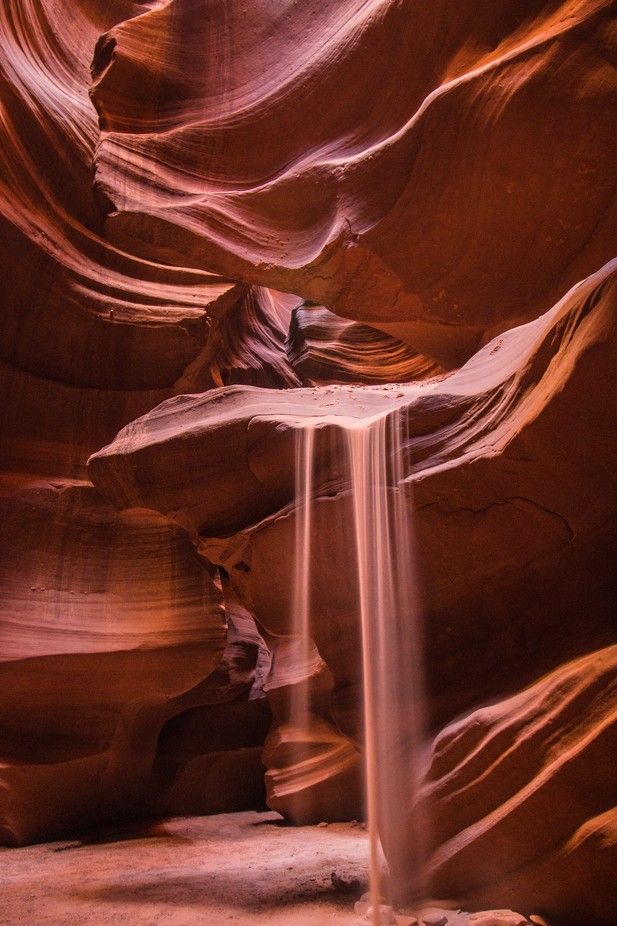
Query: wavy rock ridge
x=413 y=201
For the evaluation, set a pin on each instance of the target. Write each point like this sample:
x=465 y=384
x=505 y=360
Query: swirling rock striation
x=110 y=627
x=325 y=349
x=96 y=316
x=113 y=615
x=495 y=772
x=433 y=163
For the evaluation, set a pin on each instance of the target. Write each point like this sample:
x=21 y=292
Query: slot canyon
x=308 y=462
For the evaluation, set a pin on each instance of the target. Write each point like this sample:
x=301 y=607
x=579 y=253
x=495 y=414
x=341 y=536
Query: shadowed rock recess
x=218 y=221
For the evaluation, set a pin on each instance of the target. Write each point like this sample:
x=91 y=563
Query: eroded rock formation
x=109 y=625
x=496 y=566
x=441 y=170
x=522 y=797
x=216 y=221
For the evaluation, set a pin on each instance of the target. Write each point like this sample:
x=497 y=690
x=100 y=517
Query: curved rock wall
x=443 y=150
x=515 y=528
x=109 y=624
x=496 y=773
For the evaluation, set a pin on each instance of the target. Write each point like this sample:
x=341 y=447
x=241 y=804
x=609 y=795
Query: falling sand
x=389 y=617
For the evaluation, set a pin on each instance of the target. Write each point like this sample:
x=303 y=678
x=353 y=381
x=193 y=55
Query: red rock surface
x=442 y=151
x=109 y=623
x=359 y=206
x=111 y=626
x=496 y=773
x=505 y=571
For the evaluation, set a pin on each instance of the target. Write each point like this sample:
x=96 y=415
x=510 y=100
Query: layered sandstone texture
x=217 y=221
x=515 y=533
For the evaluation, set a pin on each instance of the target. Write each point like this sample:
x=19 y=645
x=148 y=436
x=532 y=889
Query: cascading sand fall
x=302 y=589
x=389 y=618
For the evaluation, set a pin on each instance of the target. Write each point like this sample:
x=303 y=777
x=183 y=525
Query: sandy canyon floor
x=233 y=868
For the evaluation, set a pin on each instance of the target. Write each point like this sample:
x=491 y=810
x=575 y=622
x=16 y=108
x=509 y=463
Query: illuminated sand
x=235 y=868
x=379 y=527
x=244 y=868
